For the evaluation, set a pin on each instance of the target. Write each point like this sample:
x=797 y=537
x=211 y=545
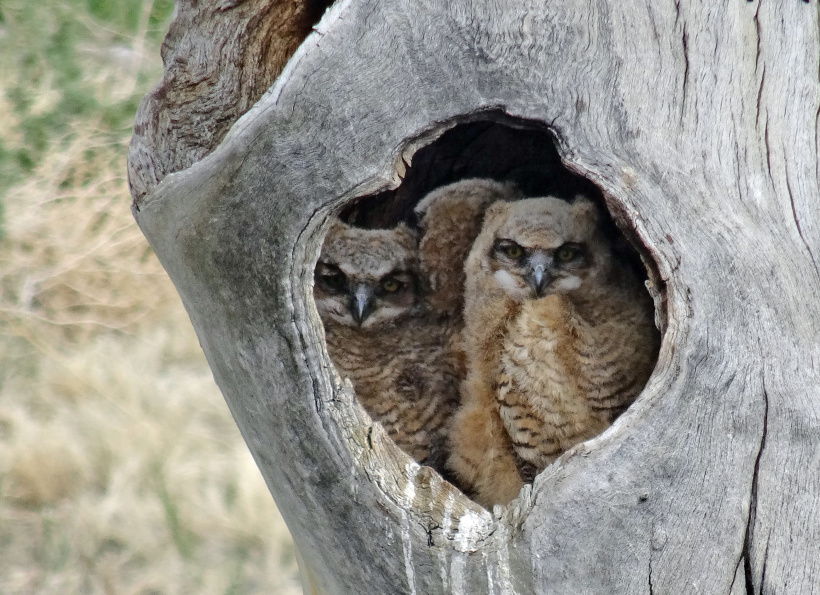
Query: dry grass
x=121 y=470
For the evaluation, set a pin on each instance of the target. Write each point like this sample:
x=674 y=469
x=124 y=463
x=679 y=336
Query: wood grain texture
x=699 y=121
x=220 y=56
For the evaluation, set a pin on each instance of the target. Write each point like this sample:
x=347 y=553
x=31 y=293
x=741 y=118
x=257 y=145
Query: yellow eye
x=391 y=285
x=513 y=251
x=566 y=253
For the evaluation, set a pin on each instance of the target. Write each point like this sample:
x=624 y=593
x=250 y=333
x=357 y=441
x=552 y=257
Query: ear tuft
x=406 y=233
x=583 y=209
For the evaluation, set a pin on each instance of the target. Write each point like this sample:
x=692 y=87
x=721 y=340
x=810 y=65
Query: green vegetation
x=121 y=470
x=55 y=58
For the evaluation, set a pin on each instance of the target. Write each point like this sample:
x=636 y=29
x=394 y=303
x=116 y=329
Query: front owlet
x=560 y=340
x=369 y=295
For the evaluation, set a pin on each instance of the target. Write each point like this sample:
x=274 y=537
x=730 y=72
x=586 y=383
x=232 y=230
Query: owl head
x=542 y=246
x=367 y=277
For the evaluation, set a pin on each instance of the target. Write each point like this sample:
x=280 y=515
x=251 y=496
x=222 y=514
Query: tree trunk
x=698 y=122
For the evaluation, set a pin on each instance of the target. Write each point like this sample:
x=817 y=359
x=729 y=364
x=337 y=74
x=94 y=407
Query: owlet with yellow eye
x=559 y=339
x=370 y=297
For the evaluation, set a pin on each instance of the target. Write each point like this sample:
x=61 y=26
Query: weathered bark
x=699 y=122
x=220 y=57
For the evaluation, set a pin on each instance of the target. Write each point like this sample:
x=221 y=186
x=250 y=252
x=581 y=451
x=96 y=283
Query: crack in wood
x=685 y=42
x=817 y=135
x=765 y=563
x=685 y=45
x=740 y=560
x=757 y=32
x=760 y=95
x=768 y=152
x=655 y=32
x=796 y=219
x=747 y=550
x=303 y=342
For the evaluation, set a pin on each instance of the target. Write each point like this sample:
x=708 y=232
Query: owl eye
x=510 y=249
x=391 y=285
x=331 y=278
x=566 y=253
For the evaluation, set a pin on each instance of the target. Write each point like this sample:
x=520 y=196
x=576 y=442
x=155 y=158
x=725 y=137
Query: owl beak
x=539 y=276
x=361 y=305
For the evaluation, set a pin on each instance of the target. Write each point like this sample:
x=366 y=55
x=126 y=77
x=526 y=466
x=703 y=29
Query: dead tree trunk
x=698 y=122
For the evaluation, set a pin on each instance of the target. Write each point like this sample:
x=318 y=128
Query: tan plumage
x=559 y=340
x=369 y=294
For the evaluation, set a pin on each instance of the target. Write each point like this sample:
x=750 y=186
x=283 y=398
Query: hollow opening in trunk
x=488 y=311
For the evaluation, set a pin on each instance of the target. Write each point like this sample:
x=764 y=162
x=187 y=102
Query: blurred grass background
x=121 y=470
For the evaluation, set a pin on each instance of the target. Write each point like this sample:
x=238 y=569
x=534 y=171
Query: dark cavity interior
x=485 y=149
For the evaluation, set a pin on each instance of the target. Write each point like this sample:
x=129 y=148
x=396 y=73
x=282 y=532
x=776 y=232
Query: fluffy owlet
x=369 y=294
x=559 y=339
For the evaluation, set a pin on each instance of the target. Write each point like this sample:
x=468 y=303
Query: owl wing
x=451 y=218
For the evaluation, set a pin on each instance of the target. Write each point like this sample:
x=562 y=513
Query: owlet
x=559 y=339
x=369 y=294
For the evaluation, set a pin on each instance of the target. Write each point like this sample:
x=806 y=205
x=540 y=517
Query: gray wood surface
x=699 y=121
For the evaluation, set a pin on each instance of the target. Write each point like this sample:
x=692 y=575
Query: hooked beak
x=539 y=276
x=361 y=303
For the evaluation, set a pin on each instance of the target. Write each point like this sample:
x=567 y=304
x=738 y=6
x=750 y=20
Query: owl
x=559 y=339
x=370 y=296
